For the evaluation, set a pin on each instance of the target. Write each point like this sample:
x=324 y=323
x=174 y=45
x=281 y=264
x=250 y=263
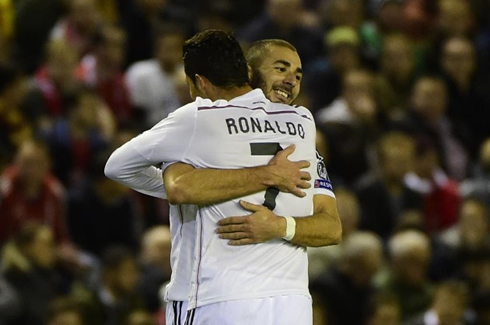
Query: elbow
x=176 y=194
x=334 y=237
x=111 y=169
x=334 y=234
x=337 y=236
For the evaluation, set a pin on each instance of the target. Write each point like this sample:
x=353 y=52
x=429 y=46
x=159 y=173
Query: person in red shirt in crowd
x=79 y=25
x=440 y=193
x=56 y=78
x=29 y=192
x=76 y=139
x=102 y=70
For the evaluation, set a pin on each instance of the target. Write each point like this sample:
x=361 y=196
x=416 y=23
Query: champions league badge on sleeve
x=323 y=181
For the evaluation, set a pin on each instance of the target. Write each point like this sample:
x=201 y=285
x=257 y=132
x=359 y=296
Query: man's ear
x=201 y=82
x=249 y=69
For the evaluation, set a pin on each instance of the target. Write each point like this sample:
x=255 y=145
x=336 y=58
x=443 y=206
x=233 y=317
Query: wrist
x=264 y=174
x=282 y=227
x=290 y=228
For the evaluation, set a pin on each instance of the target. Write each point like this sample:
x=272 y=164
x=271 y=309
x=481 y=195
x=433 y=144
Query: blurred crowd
x=401 y=94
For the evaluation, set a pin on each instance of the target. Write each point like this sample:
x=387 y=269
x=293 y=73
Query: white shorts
x=175 y=312
x=279 y=310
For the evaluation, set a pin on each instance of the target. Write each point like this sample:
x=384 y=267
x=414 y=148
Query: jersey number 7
x=267 y=149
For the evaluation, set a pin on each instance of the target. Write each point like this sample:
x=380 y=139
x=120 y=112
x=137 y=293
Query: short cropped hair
x=216 y=55
x=255 y=53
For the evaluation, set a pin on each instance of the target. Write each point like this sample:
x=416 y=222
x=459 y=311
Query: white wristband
x=290 y=228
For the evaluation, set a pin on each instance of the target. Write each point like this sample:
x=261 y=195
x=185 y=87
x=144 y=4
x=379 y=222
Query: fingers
x=303 y=185
x=302 y=164
x=299 y=193
x=235 y=235
x=241 y=242
x=239 y=238
x=286 y=152
x=232 y=220
x=250 y=206
x=305 y=176
x=231 y=229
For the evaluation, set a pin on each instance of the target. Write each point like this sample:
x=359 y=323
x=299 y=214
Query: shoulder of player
x=300 y=110
x=185 y=111
x=181 y=116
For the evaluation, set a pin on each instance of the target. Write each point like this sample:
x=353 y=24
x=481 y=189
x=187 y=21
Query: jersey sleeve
x=323 y=185
x=134 y=163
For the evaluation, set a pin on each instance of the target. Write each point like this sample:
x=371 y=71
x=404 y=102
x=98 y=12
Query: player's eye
x=280 y=69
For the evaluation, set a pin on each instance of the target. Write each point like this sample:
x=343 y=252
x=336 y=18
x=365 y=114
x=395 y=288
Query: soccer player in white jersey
x=295 y=124
x=276 y=69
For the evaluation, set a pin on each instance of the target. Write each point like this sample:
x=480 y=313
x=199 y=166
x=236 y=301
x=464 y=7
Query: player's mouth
x=282 y=95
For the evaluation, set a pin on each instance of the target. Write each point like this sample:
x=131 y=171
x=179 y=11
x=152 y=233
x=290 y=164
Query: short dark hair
x=255 y=53
x=216 y=55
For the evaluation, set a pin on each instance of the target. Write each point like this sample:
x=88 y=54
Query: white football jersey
x=244 y=132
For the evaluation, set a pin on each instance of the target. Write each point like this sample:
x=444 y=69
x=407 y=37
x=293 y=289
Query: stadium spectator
x=346 y=287
x=101 y=213
x=395 y=78
x=30 y=192
x=448 y=306
x=115 y=297
x=427 y=119
x=350 y=126
x=320 y=258
x=407 y=275
x=323 y=80
x=79 y=25
x=102 y=70
x=152 y=83
x=384 y=197
x=440 y=193
x=76 y=139
x=282 y=19
x=468 y=97
x=53 y=82
x=29 y=262
x=472 y=231
x=155 y=265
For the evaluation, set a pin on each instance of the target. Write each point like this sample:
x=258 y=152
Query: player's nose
x=290 y=80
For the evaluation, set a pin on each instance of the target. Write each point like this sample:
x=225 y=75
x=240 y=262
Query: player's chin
x=279 y=99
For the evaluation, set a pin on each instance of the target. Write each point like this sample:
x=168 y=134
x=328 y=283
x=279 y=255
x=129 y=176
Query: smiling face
x=279 y=74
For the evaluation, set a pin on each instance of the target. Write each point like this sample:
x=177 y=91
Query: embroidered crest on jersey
x=321 y=168
x=324 y=180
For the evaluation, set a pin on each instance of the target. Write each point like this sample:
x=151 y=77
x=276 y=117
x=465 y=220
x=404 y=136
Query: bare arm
x=186 y=185
x=323 y=228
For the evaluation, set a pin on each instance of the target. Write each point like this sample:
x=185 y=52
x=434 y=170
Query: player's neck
x=229 y=93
